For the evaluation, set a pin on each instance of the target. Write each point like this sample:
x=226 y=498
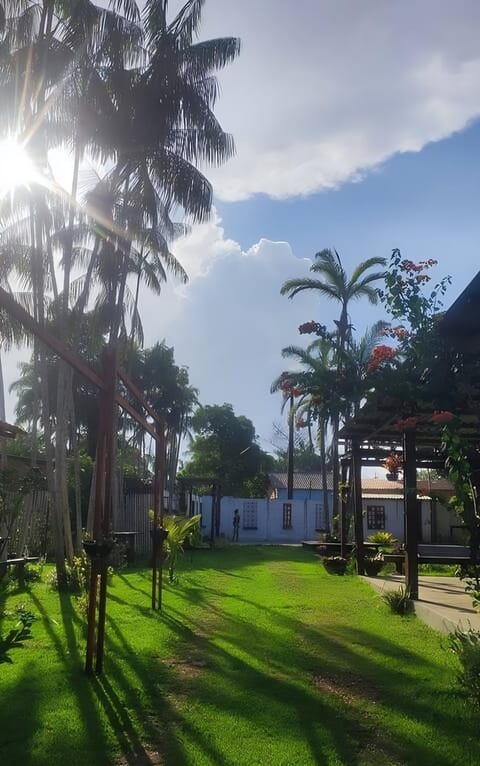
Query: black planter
x=393 y=476
x=97 y=550
x=372 y=568
x=159 y=535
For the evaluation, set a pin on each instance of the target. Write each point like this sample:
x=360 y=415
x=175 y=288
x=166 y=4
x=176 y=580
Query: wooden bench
x=20 y=564
x=399 y=560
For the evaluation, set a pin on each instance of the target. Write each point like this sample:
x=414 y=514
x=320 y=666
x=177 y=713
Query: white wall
x=305 y=516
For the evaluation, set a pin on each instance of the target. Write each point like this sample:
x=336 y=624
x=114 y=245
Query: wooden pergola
x=109 y=398
x=373 y=434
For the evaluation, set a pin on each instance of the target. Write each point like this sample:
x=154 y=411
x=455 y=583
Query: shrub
x=335 y=564
x=466 y=645
x=20 y=632
x=470 y=576
x=77 y=575
x=399 y=601
x=385 y=540
x=32 y=572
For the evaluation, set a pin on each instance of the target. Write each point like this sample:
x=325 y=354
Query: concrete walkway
x=442 y=604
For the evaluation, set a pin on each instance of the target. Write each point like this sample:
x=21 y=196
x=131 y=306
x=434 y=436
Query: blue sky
x=357 y=127
x=426 y=203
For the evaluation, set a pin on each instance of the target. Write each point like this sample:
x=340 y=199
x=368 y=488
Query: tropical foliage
x=128 y=93
x=223 y=447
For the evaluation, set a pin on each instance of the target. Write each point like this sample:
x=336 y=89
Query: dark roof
x=9 y=430
x=461 y=323
x=306 y=480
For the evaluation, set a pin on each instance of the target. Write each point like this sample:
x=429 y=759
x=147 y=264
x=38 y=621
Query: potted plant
x=393 y=465
x=373 y=564
x=97 y=549
x=335 y=564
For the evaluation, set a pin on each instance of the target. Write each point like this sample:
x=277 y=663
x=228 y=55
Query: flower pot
x=159 y=535
x=335 y=566
x=97 y=550
x=372 y=567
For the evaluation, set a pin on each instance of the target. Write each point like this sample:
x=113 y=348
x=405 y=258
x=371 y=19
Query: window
x=250 y=514
x=320 y=520
x=287 y=515
x=375 y=516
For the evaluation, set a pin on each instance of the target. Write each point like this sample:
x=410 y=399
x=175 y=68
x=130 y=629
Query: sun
x=16 y=167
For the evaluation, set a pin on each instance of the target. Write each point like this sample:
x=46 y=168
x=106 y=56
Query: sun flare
x=16 y=167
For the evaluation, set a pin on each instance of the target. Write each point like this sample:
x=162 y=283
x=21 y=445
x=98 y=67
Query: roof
x=306 y=480
x=8 y=430
x=423 y=485
x=313 y=480
x=461 y=323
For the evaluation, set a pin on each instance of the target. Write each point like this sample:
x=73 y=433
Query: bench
x=20 y=564
x=399 y=560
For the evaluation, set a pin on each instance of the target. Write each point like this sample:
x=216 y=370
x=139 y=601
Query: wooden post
x=357 y=490
x=290 y=452
x=343 y=511
x=411 y=513
x=160 y=470
x=97 y=527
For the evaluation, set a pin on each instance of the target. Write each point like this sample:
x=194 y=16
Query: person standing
x=236 y=525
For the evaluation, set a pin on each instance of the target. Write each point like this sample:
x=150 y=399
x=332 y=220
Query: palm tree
x=315 y=387
x=333 y=283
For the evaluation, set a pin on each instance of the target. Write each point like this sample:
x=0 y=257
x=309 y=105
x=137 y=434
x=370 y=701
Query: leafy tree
x=224 y=447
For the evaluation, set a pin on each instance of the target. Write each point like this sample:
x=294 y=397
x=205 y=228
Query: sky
x=357 y=127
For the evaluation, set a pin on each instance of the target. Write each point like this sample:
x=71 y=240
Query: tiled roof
x=300 y=480
x=313 y=480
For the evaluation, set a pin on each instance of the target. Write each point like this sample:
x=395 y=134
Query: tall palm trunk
x=65 y=377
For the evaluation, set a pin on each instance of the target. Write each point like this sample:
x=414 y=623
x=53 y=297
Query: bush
x=335 y=564
x=399 y=601
x=466 y=645
x=20 y=632
x=32 y=572
x=385 y=540
x=77 y=575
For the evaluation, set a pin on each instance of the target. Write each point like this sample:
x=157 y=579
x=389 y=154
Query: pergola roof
x=378 y=423
x=9 y=430
x=461 y=323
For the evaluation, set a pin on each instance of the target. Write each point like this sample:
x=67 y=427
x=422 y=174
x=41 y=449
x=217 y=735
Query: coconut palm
x=333 y=283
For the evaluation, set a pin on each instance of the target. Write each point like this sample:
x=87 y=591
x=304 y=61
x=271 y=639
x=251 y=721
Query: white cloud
x=229 y=324
x=324 y=91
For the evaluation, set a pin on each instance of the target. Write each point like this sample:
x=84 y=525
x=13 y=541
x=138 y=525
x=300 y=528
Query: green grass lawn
x=259 y=657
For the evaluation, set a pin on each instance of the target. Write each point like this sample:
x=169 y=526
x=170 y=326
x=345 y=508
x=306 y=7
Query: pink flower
x=442 y=416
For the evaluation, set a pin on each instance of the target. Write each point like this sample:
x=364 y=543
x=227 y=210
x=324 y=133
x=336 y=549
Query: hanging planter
x=96 y=549
x=159 y=535
x=393 y=465
x=393 y=476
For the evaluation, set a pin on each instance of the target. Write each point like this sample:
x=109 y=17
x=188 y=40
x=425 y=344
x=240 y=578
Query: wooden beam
x=55 y=345
x=135 y=391
x=125 y=405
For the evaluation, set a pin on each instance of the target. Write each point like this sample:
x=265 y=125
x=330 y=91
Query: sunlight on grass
x=259 y=657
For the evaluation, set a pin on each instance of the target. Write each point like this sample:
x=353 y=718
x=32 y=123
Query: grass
x=259 y=657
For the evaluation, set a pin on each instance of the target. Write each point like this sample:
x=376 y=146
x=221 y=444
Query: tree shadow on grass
x=367 y=657
x=16 y=728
